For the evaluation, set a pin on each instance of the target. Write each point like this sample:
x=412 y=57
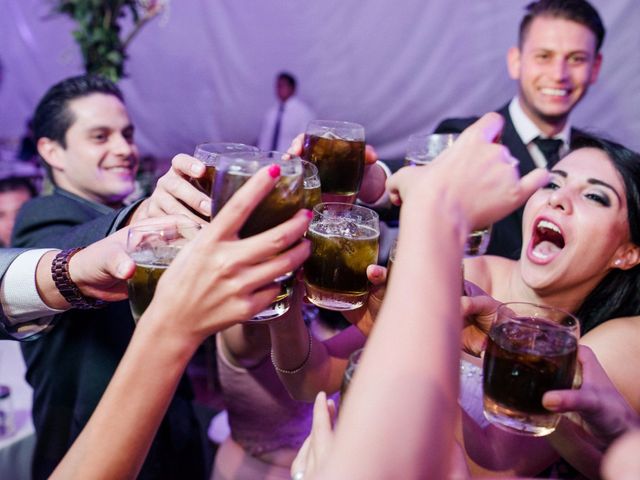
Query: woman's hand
x=477 y=175
x=478 y=311
x=600 y=405
x=364 y=317
x=218 y=279
x=315 y=448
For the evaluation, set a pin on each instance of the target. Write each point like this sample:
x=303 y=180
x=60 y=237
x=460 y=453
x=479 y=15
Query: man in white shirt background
x=286 y=119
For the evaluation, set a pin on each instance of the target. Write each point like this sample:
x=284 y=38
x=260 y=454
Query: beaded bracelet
x=302 y=365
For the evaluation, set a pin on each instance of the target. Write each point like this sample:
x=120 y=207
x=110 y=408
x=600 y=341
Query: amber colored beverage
x=312 y=197
x=340 y=164
x=280 y=204
x=205 y=183
x=525 y=359
x=142 y=286
x=335 y=272
x=209 y=154
x=153 y=247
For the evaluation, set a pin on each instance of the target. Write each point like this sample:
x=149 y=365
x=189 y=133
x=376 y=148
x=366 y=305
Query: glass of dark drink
x=422 y=148
x=153 y=247
x=354 y=360
x=532 y=349
x=233 y=171
x=344 y=242
x=312 y=190
x=209 y=154
x=337 y=149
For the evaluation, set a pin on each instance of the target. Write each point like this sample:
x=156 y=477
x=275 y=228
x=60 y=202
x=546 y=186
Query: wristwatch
x=67 y=288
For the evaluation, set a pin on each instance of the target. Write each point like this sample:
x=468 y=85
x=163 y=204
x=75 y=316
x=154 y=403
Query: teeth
x=548 y=225
x=559 y=92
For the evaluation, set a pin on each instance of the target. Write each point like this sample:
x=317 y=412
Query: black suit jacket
x=70 y=367
x=506 y=235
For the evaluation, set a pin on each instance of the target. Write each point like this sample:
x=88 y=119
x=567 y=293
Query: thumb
x=377 y=275
x=481 y=305
x=532 y=182
x=120 y=266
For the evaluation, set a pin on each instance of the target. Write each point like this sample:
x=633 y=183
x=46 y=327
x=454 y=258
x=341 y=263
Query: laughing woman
x=581 y=253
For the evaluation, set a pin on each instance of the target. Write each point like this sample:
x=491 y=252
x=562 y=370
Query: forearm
x=116 y=440
x=290 y=343
x=418 y=331
x=246 y=344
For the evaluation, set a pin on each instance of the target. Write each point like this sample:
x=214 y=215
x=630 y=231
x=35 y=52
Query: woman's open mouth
x=546 y=242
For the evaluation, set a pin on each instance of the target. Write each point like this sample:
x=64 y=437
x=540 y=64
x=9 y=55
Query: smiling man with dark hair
x=85 y=136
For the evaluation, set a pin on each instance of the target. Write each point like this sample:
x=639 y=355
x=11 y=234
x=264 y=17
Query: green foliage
x=98 y=31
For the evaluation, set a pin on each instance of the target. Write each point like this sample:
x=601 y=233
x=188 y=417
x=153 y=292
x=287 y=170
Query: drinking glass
x=422 y=148
x=312 y=190
x=233 y=171
x=209 y=153
x=392 y=257
x=532 y=349
x=344 y=241
x=153 y=247
x=337 y=149
x=354 y=360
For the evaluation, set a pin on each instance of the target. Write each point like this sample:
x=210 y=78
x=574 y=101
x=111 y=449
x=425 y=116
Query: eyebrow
x=129 y=126
x=592 y=181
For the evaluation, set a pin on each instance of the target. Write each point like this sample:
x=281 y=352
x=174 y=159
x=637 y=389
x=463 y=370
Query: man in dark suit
x=84 y=135
x=556 y=60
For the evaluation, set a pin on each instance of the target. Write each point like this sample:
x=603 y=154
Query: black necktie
x=276 y=128
x=550 y=148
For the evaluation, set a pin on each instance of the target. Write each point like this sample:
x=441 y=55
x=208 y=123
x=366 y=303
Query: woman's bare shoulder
x=485 y=271
x=625 y=329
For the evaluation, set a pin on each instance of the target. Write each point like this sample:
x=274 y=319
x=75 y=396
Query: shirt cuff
x=19 y=293
x=383 y=201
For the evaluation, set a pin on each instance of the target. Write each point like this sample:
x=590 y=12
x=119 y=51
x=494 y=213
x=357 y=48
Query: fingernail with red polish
x=274 y=171
x=308 y=213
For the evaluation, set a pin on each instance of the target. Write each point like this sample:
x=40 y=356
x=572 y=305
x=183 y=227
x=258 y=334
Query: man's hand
x=102 y=269
x=175 y=195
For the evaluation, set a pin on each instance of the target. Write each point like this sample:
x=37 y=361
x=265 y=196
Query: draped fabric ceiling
x=205 y=69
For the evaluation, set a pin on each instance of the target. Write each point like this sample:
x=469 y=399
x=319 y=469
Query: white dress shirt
x=19 y=295
x=528 y=131
x=295 y=117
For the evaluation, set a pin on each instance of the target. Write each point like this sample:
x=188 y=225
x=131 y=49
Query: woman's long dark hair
x=617 y=294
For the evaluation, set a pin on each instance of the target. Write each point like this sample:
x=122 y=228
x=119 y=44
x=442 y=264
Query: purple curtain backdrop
x=205 y=69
